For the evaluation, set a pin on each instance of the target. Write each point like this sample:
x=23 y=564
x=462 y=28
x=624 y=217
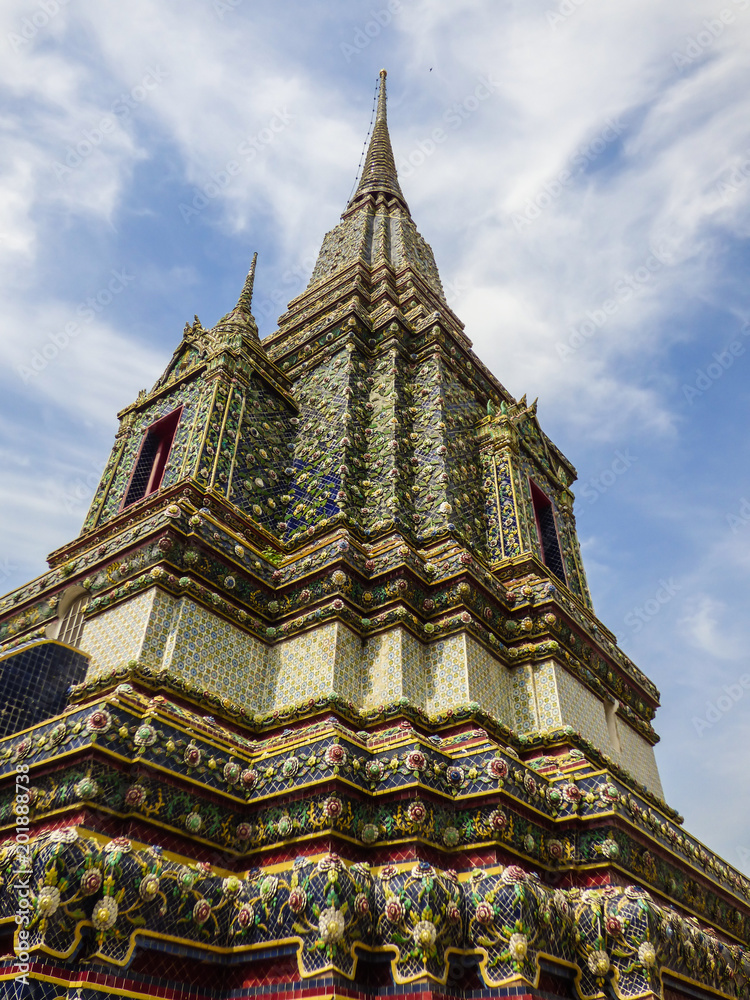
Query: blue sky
x=582 y=171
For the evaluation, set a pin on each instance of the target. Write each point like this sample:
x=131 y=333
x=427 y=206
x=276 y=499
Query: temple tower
x=341 y=706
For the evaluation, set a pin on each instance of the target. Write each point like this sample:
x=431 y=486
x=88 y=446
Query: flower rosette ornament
x=332 y=808
x=571 y=794
x=290 y=767
x=331 y=927
x=201 y=912
x=415 y=760
x=135 y=796
x=148 y=889
x=497 y=768
x=47 y=901
x=192 y=755
x=91 y=881
x=335 y=755
x=297 y=900
x=99 y=721
x=145 y=735
x=232 y=771
x=374 y=770
x=416 y=813
x=104 y=914
x=249 y=779
x=498 y=821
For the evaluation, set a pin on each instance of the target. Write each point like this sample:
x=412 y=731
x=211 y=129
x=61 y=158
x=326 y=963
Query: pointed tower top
x=379 y=173
x=241 y=318
x=246 y=295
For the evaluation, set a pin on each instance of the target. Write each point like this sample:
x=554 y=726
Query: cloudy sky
x=582 y=171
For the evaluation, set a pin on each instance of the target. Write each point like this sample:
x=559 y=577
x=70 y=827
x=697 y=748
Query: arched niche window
x=148 y=471
x=68 y=627
x=547 y=531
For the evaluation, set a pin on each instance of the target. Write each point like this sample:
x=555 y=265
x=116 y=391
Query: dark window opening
x=545 y=524
x=152 y=458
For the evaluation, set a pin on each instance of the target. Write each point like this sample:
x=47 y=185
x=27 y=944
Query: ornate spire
x=379 y=174
x=246 y=295
x=241 y=319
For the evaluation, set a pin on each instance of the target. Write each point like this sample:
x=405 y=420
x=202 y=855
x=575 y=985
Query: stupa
x=317 y=703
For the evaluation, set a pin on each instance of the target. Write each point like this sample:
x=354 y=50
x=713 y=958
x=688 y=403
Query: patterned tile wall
x=547 y=696
x=301 y=667
x=382 y=659
x=638 y=757
x=115 y=637
x=582 y=709
x=447 y=683
x=523 y=699
x=207 y=650
x=489 y=681
x=347 y=666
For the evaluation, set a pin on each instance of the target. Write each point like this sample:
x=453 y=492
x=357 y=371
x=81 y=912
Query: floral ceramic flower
x=416 y=761
x=193 y=822
x=451 y=836
x=374 y=770
x=646 y=954
x=335 y=755
x=145 y=736
x=361 y=904
x=87 y=788
x=201 y=911
x=231 y=886
x=245 y=915
x=389 y=872
x=192 y=755
x=284 y=826
x=119 y=845
x=571 y=793
x=297 y=900
x=424 y=934
x=135 y=795
x=518 y=946
x=290 y=767
x=416 y=813
x=332 y=807
x=555 y=849
x=268 y=887
x=331 y=925
x=91 y=881
x=529 y=783
x=484 y=913
x=394 y=911
x=99 y=721
x=513 y=874
x=598 y=963
x=231 y=772
x=48 y=900
x=497 y=768
x=453 y=914
x=243 y=831
x=249 y=778
x=455 y=776
x=370 y=833
x=105 y=913
x=149 y=887
x=329 y=861
x=57 y=735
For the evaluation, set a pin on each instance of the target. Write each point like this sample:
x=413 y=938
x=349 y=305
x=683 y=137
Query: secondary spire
x=379 y=173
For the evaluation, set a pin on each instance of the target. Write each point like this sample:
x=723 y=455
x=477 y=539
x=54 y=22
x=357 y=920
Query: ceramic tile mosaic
x=582 y=710
x=489 y=681
x=302 y=667
x=637 y=755
x=547 y=696
x=447 y=680
x=207 y=650
x=347 y=667
x=383 y=661
x=524 y=699
x=115 y=636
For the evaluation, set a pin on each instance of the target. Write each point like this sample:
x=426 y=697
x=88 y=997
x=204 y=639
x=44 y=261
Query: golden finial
x=246 y=296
